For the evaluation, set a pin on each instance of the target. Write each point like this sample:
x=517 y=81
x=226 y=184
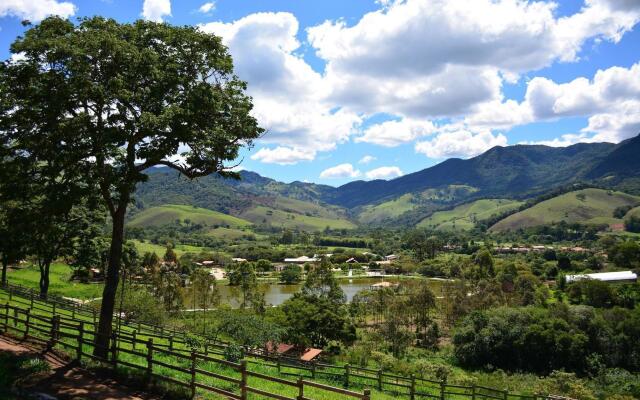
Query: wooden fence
x=176 y=343
x=145 y=357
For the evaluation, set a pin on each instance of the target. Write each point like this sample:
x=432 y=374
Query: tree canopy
x=112 y=100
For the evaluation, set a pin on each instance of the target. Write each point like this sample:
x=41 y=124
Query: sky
x=374 y=89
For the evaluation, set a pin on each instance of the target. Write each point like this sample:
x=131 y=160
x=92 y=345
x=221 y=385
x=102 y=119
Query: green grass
x=267 y=215
x=170 y=213
x=464 y=217
x=633 y=212
x=596 y=207
x=180 y=249
x=307 y=208
x=388 y=209
x=59 y=281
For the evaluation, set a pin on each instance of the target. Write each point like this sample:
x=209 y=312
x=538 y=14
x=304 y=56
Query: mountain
x=514 y=172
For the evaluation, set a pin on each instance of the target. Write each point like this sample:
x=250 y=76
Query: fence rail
x=139 y=343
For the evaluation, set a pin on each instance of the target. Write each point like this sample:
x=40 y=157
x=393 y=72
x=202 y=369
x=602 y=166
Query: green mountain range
x=512 y=173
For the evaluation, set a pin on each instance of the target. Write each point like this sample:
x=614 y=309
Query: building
x=620 y=276
x=301 y=260
x=239 y=260
x=391 y=257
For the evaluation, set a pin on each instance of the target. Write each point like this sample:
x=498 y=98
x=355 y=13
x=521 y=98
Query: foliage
x=542 y=340
x=290 y=274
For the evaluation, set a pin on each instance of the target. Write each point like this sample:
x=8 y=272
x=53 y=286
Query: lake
x=276 y=294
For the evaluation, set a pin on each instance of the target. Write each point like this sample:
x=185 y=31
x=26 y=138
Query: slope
x=170 y=213
x=465 y=216
x=588 y=206
x=271 y=217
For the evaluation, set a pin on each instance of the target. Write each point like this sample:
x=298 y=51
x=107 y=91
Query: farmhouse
x=620 y=276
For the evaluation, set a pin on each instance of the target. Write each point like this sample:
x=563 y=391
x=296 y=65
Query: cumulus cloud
x=290 y=98
x=366 y=159
x=433 y=58
x=156 y=10
x=36 y=10
x=384 y=173
x=283 y=155
x=394 y=133
x=340 y=171
x=610 y=101
x=460 y=143
x=207 y=8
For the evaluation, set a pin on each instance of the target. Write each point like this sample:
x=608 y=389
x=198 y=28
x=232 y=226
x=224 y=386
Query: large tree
x=118 y=99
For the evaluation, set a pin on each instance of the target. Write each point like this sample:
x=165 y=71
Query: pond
x=276 y=294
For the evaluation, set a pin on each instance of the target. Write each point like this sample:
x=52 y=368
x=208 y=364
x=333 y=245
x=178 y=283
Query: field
x=307 y=208
x=465 y=216
x=180 y=249
x=170 y=213
x=261 y=215
x=59 y=281
x=388 y=209
x=588 y=206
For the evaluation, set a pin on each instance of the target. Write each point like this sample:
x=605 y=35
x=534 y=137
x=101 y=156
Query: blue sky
x=366 y=89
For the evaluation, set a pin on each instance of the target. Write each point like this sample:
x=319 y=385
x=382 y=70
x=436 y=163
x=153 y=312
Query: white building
x=620 y=276
x=301 y=260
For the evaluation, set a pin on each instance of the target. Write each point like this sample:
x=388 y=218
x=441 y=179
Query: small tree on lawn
x=118 y=99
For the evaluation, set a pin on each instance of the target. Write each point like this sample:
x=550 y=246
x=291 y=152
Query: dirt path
x=67 y=381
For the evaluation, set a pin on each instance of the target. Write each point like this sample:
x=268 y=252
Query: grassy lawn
x=59 y=284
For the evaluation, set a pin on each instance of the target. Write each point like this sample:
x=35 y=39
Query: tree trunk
x=101 y=348
x=5 y=263
x=44 y=278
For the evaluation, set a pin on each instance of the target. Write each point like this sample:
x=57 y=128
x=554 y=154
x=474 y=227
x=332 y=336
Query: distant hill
x=588 y=206
x=514 y=172
x=169 y=214
x=465 y=217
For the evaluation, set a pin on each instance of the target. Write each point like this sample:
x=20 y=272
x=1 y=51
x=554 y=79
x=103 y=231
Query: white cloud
x=155 y=10
x=36 y=10
x=290 y=98
x=610 y=101
x=366 y=159
x=440 y=58
x=394 y=133
x=208 y=7
x=283 y=155
x=340 y=171
x=384 y=173
x=460 y=143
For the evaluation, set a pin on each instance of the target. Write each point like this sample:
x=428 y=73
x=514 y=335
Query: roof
x=351 y=260
x=605 y=276
x=302 y=259
x=310 y=354
x=281 y=348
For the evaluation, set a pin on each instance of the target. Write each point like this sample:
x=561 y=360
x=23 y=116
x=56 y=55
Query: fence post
x=193 y=374
x=114 y=350
x=313 y=370
x=54 y=307
x=243 y=379
x=80 y=340
x=347 y=370
x=300 y=388
x=380 y=380
x=6 y=317
x=15 y=317
x=442 y=390
x=413 y=387
x=473 y=392
x=171 y=342
x=505 y=394
x=10 y=293
x=149 y=360
x=93 y=311
x=278 y=362
x=27 y=314
x=134 y=339
x=367 y=394
x=31 y=299
x=55 y=327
